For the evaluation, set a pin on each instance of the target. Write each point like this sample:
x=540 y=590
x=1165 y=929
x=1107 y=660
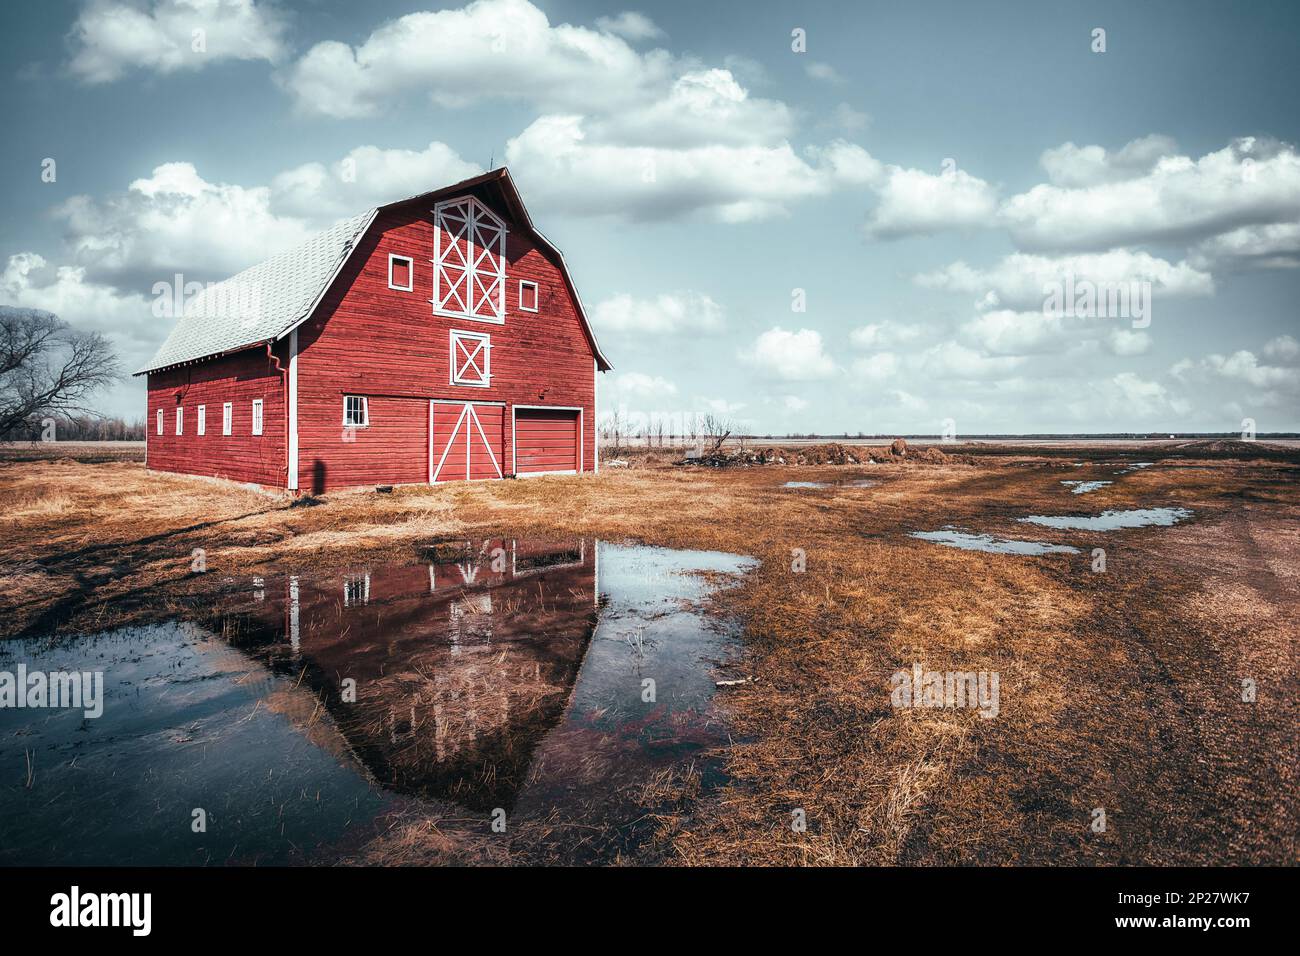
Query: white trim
x=537 y=296
x=447 y=450
x=160 y=421
x=484 y=348
x=486 y=444
x=180 y=419
x=292 y=412
x=595 y=416
x=479 y=235
x=410 y=273
x=201 y=427
x=466 y=412
x=365 y=411
x=227 y=417
x=514 y=444
x=259 y=414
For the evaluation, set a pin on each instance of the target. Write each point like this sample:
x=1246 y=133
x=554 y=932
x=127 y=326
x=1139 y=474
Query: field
x=1121 y=690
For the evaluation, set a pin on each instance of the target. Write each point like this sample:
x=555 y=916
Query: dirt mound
x=898 y=447
x=933 y=454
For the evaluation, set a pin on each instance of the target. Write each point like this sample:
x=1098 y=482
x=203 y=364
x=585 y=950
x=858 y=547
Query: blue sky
x=859 y=236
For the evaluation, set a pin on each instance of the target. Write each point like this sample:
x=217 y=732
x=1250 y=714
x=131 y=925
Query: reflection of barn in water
x=460 y=665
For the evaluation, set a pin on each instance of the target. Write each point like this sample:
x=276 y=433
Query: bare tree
x=48 y=367
x=715 y=430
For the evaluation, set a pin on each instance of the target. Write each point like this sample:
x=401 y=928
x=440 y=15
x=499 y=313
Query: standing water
x=545 y=682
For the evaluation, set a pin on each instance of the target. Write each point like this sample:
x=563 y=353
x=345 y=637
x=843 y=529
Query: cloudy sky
x=820 y=217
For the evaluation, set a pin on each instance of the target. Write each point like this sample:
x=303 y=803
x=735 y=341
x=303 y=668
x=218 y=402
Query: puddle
x=1137 y=465
x=855 y=483
x=511 y=678
x=1112 y=520
x=1083 y=487
x=986 y=542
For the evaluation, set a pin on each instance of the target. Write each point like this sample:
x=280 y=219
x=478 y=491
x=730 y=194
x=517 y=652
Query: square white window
x=160 y=421
x=203 y=420
x=356 y=411
x=227 y=417
x=528 y=296
x=471 y=359
x=180 y=419
x=257 y=416
x=401 y=272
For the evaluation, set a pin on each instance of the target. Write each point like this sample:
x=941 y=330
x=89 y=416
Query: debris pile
x=832 y=453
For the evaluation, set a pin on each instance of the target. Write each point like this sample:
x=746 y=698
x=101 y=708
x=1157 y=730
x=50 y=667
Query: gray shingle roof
x=259 y=303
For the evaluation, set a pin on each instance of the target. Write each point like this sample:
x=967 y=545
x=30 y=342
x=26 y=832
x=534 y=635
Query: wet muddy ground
x=1156 y=684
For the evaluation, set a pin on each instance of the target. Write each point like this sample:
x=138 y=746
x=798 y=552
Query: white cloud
x=796 y=356
x=1274 y=246
x=367 y=176
x=1071 y=166
x=1125 y=342
x=630 y=25
x=1018 y=280
x=886 y=334
x=1243 y=367
x=1283 y=348
x=824 y=72
x=174 y=220
x=558 y=165
x=847 y=118
x=126 y=319
x=111 y=36
x=877 y=368
x=666 y=314
x=793 y=403
x=913 y=202
x=956 y=361
x=489 y=49
x=1250 y=182
x=638 y=385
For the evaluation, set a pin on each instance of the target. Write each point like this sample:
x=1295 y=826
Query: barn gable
x=266 y=302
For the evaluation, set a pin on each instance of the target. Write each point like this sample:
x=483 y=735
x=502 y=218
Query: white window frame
x=202 y=427
x=410 y=272
x=365 y=412
x=180 y=419
x=227 y=418
x=482 y=233
x=259 y=409
x=160 y=421
x=537 y=296
x=484 y=349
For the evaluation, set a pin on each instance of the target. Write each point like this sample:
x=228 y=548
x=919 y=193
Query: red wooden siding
x=241 y=455
x=546 y=440
x=368 y=339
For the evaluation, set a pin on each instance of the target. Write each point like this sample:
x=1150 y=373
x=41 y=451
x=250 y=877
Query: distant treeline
x=76 y=428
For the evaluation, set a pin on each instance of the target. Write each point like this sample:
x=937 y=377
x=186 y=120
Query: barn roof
x=269 y=300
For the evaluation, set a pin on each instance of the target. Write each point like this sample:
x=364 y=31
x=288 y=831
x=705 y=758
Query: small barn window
x=160 y=421
x=356 y=411
x=469 y=261
x=180 y=419
x=471 y=359
x=203 y=421
x=227 y=417
x=528 y=296
x=257 y=416
x=401 y=273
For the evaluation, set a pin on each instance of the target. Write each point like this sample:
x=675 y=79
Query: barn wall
x=367 y=339
x=240 y=456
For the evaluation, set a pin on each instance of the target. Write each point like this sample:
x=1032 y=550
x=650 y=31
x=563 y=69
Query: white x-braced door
x=469 y=261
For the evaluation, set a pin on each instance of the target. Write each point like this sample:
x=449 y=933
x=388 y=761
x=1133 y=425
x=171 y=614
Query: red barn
x=438 y=338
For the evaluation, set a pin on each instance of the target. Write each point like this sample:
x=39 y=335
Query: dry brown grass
x=1119 y=690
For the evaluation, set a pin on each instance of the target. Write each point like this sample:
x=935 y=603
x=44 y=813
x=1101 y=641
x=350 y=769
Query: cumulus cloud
x=1274 y=246
x=489 y=49
x=912 y=202
x=887 y=334
x=1251 y=182
x=110 y=37
x=639 y=386
x=792 y=356
x=1072 y=166
x=1019 y=280
x=630 y=25
x=824 y=72
x=559 y=165
x=666 y=314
